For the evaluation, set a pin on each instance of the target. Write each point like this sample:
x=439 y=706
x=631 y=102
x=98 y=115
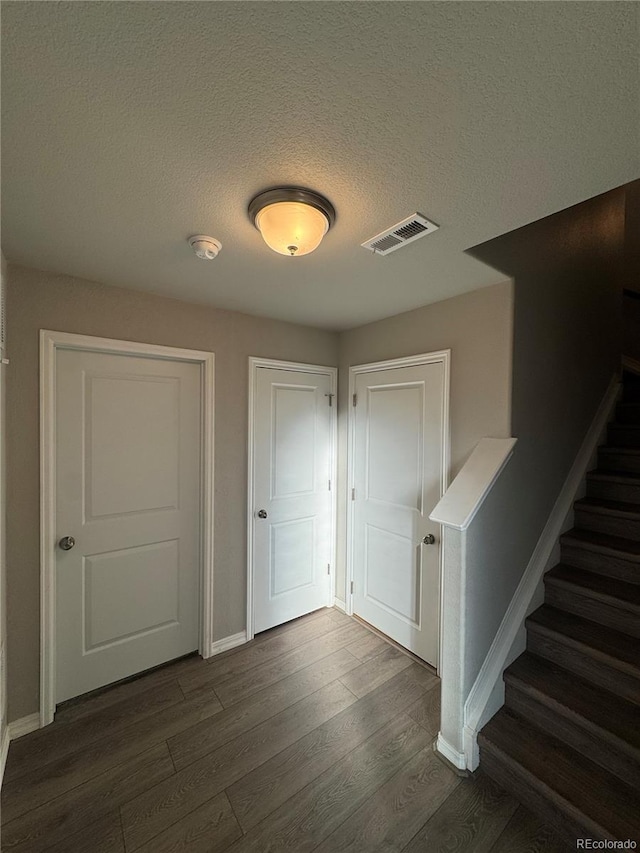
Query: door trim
x=50 y=343
x=440 y=356
x=332 y=372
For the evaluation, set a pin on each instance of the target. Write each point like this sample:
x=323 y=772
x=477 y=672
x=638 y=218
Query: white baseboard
x=226 y=643
x=4 y=751
x=458 y=759
x=339 y=603
x=16 y=729
x=476 y=705
x=24 y=726
x=471 y=750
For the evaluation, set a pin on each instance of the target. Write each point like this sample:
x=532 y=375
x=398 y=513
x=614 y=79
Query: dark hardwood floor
x=318 y=735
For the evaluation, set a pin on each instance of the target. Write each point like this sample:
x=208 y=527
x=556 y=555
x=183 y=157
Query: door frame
x=50 y=343
x=273 y=364
x=440 y=356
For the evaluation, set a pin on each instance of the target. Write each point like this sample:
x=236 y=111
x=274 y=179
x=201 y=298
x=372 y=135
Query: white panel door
x=128 y=450
x=398 y=480
x=292 y=526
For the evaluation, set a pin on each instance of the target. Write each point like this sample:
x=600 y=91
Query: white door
x=128 y=450
x=398 y=474
x=291 y=506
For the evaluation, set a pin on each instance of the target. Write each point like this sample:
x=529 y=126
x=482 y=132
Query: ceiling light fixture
x=292 y=220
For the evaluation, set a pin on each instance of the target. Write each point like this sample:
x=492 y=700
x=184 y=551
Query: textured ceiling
x=128 y=126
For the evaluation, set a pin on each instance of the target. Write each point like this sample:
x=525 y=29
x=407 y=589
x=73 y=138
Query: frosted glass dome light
x=292 y=220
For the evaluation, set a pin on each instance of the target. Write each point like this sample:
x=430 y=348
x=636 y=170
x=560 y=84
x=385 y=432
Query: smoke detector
x=399 y=235
x=206 y=248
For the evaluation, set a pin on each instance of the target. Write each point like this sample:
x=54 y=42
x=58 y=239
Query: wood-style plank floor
x=316 y=736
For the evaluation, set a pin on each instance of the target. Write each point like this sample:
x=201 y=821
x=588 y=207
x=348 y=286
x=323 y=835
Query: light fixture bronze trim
x=298 y=194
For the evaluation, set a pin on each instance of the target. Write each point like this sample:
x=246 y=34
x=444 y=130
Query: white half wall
x=487 y=694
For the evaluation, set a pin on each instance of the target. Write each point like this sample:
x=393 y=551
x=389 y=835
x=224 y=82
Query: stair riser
x=628 y=413
x=619 y=461
x=608 y=491
x=601 y=564
x=599 y=746
x=511 y=776
x=623 y=436
x=614 y=525
x=592 y=608
x=583 y=664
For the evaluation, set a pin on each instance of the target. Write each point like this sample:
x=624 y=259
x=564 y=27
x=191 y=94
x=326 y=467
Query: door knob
x=262 y=513
x=429 y=539
x=67 y=543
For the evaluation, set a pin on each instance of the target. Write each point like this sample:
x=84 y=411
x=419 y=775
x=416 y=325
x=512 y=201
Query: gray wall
x=477 y=327
x=631 y=310
x=632 y=237
x=38 y=300
x=3 y=572
x=631 y=326
x=567 y=272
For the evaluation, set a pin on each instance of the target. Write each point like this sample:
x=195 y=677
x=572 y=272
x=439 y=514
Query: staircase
x=567 y=740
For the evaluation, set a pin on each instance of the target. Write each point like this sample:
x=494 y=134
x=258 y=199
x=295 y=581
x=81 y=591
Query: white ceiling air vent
x=399 y=235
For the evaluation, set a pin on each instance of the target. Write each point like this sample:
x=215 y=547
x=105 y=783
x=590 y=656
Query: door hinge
x=329 y=485
x=353 y=494
x=328 y=568
x=355 y=400
x=330 y=396
x=351 y=587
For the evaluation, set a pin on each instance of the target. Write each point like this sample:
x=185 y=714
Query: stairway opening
x=567 y=740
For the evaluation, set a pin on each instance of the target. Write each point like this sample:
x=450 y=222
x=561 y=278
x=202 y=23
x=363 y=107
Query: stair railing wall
x=487 y=693
x=456 y=511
